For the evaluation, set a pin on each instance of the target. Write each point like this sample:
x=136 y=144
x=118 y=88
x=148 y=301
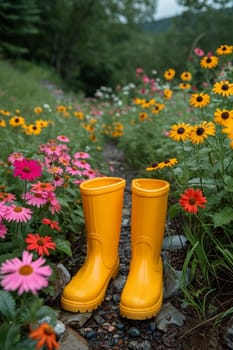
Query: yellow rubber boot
x=142 y=294
x=102 y=200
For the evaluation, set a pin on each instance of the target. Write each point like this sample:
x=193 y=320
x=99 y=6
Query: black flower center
x=192 y=201
x=154 y=164
x=200 y=131
x=199 y=99
x=225 y=115
x=208 y=60
x=180 y=130
x=225 y=87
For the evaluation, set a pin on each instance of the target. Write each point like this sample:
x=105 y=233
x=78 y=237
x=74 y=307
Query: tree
x=18 y=19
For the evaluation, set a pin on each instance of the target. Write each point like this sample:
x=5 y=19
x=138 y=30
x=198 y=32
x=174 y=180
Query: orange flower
x=45 y=335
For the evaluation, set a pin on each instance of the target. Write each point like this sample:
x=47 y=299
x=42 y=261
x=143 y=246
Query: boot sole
x=141 y=314
x=74 y=306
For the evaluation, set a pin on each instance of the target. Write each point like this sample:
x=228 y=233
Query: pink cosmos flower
x=82 y=164
x=90 y=173
x=24 y=275
x=145 y=79
x=27 y=169
x=82 y=155
x=35 y=199
x=52 y=150
x=139 y=70
x=199 y=52
x=56 y=170
x=54 y=205
x=64 y=159
x=63 y=138
x=2 y=210
x=15 y=156
x=42 y=187
x=3 y=230
x=18 y=214
x=58 y=181
x=7 y=197
x=73 y=170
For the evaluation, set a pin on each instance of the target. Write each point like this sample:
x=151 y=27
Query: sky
x=167 y=8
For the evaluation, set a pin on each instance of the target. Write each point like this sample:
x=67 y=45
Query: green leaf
x=224 y=217
x=63 y=246
x=7 y=305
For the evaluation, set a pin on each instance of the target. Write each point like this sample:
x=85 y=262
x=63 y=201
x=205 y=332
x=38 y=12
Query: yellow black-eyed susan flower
x=201 y=131
x=222 y=117
x=180 y=132
x=143 y=116
x=168 y=163
x=154 y=166
x=186 y=76
x=42 y=123
x=199 y=100
x=2 y=123
x=224 y=88
x=17 y=121
x=209 y=62
x=157 y=108
x=184 y=86
x=167 y=93
x=169 y=74
x=32 y=129
x=229 y=131
x=79 y=115
x=224 y=50
x=38 y=110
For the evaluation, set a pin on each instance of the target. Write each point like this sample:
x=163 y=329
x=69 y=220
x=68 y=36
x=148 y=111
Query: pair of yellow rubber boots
x=102 y=200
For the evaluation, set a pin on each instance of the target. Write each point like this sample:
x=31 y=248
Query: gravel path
x=104 y=328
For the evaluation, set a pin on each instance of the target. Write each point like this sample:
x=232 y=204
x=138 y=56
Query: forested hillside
x=93 y=43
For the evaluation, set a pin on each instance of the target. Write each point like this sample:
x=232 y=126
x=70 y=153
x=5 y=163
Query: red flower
x=39 y=243
x=191 y=199
x=27 y=169
x=53 y=224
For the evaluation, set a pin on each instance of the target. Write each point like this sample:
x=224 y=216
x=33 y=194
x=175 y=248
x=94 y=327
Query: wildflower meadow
x=171 y=125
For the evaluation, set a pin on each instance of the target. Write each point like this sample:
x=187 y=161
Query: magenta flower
x=24 y=275
x=27 y=169
x=18 y=214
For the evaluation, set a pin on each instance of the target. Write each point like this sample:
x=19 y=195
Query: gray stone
x=76 y=320
x=169 y=315
x=174 y=281
x=63 y=277
x=59 y=328
x=228 y=334
x=71 y=340
x=134 y=332
x=136 y=345
x=119 y=282
x=174 y=242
